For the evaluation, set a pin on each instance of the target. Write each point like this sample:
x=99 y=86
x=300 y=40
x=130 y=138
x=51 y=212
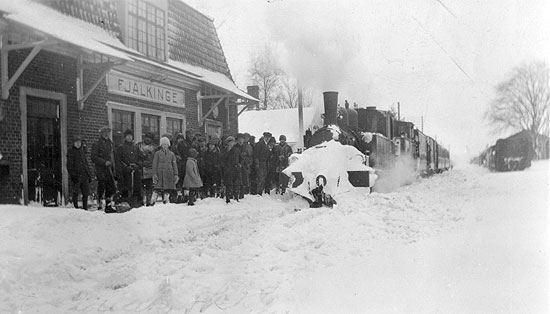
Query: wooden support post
x=4 y=65
x=6 y=85
x=81 y=94
x=211 y=109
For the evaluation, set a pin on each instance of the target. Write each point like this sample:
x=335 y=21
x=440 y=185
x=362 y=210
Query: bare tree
x=287 y=96
x=522 y=101
x=265 y=72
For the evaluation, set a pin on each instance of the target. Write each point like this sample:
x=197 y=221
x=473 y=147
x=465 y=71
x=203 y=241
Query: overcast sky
x=439 y=58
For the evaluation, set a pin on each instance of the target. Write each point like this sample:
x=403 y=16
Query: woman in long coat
x=192 y=180
x=165 y=170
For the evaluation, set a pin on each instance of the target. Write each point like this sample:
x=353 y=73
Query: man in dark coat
x=212 y=170
x=104 y=161
x=231 y=159
x=181 y=149
x=262 y=155
x=247 y=154
x=282 y=153
x=270 y=180
x=129 y=170
x=243 y=174
x=79 y=172
x=146 y=154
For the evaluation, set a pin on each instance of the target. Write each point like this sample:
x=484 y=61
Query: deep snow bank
x=261 y=255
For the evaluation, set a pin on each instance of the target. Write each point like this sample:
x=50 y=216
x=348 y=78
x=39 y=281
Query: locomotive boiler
x=334 y=161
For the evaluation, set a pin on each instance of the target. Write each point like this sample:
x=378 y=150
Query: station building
x=69 y=67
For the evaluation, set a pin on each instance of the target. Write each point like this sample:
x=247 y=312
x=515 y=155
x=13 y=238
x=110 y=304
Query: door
x=44 y=162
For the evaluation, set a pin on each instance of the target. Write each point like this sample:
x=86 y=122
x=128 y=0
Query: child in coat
x=192 y=180
x=165 y=171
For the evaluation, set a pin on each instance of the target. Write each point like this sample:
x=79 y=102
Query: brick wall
x=47 y=71
x=53 y=72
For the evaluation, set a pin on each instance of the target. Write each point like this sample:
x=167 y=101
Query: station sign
x=130 y=86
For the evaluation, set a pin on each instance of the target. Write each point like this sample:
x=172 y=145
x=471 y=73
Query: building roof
x=102 y=13
x=194 y=47
x=278 y=122
x=193 y=39
x=59 y=26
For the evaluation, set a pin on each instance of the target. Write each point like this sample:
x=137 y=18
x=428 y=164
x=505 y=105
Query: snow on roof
x=278 y=122
x=63 y=27
x=214 y=78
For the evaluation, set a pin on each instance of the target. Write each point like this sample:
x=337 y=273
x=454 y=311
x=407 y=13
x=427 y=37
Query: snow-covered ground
x=466 y=241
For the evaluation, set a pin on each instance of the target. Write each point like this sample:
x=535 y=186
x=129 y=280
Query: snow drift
x=328 y=163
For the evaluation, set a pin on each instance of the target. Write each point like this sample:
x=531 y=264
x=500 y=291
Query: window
x=212 y=126
x=174 y=126
x=122 y=121
x=146 y=29
x=150 y=123
x=142 y=120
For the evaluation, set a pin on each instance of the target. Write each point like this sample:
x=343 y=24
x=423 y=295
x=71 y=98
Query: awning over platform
x=62 y=27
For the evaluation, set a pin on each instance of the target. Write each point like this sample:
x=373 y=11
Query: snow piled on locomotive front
x=328 y=164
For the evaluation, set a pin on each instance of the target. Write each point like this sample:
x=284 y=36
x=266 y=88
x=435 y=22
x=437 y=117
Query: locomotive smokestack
x=331 y=107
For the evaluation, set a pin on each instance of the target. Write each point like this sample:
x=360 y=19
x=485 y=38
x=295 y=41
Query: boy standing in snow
x=129 y=170
x=79 y=172
x=103 y=158
x=231 y=160
x=165 y=171
x=212 y=170
x=192 y=180
x=282 y=152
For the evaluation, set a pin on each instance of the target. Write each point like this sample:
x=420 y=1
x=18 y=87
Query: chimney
x=254 y=91
x=331 y=105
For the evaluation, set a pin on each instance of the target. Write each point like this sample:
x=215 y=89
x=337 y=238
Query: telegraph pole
x=422 y=123
x=398 y=111
x=300 y=119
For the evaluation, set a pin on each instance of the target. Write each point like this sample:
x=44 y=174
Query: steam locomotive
x=389 y=146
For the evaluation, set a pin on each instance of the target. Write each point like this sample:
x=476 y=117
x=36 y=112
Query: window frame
x=138 y=111
x=144 y=20
x=216 y=123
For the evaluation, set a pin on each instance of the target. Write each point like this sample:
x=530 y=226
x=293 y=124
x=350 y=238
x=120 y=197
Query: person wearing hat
x=146 y=155
x=180 y=148
x=282 y=153
x=79 y=172
x=192 y=181
x=129 y=170
x=262 y=154
x=231 y=161
x=165 y=171
x=103 y=158
x=215 y=138
x=212 y=170
x=253 y=175
x=270 y=180
x=246 y=157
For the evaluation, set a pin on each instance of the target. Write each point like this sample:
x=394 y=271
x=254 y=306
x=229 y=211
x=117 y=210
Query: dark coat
x=181 y=149
x=146 y=156
x=281 y=154
x=102 y=151
x=212 y=167
x=262 y=153
x=165 y=168
x=77 y=165
x=127 y=157
x=247 y=154
x=231 y=161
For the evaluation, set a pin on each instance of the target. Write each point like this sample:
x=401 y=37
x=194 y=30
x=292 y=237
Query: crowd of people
x=181 y=169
